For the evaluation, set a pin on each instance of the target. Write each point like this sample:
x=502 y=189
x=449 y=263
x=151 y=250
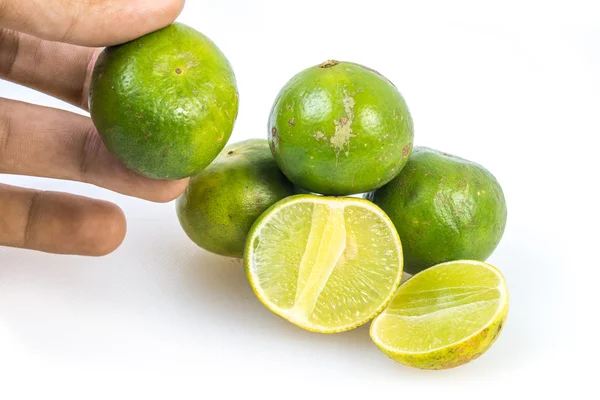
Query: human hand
x=51 y=46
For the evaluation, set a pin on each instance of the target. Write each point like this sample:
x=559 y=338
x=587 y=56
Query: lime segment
x=328 y=233
x=444 y=316
x=325 y=264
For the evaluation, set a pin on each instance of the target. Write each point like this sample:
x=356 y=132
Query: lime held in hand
x=340 y=128
x=164 y=104
x=222 y=202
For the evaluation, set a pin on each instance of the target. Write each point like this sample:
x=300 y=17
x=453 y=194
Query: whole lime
x=222 y=202
x=445 y=208
x=164 y=104
x=340 y=128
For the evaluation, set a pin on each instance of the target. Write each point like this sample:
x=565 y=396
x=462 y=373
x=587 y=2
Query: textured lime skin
x=164 y=104
x=222 y=202
x=445 y=208
x=340 y=129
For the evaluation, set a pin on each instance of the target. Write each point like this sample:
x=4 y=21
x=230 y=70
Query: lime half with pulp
x=325 y=264
x=443 y=317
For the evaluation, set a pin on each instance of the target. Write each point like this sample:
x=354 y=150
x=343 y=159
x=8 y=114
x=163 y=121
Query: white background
x=513 y=85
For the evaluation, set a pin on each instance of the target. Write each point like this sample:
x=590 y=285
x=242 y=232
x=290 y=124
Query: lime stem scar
x=329 y=63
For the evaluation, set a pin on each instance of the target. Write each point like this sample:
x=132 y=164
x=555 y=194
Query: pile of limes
x=316 y=253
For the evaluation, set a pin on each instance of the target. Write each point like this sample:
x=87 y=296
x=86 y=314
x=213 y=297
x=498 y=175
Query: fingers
x=63 y=70
x=58 y=69
x=91 y=22
x=40 y=141
x=59 y=223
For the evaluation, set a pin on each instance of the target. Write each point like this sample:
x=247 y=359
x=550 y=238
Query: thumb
x=90 y=22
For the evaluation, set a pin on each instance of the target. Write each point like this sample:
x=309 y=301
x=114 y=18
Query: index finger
x=91 y=22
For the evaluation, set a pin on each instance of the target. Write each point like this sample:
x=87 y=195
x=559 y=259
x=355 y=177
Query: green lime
x=444 y=316
x=445 y=208
x=165 y=104
x=340 y=128
x=325 y=264
x=222 y=202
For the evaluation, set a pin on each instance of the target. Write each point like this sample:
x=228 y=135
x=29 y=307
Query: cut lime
x=444 y=316
x=325 y=264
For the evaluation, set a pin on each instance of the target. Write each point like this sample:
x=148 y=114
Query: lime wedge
x=325 y=264
x=443 y=317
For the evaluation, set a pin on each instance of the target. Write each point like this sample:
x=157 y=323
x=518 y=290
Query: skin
x=340 y=129
x=54 y=52
x=221 y=203
x=165 y=103
x=445 y=208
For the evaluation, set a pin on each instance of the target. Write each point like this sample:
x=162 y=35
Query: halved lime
x=443 y=317
x=325 y=264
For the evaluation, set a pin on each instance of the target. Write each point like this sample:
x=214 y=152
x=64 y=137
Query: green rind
x=315 y=328
x=444 y=208
x=221 y=203
x=302 y=129
x=165 y=104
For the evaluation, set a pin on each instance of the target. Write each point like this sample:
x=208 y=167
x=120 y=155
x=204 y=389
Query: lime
x=445 y=208
x=444 y=316
x=325 y=264
x=340 y=128
x=222 y=202
x=165 y=104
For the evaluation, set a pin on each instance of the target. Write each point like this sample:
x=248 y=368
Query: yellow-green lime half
x=443 y=317
x=325 y=264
